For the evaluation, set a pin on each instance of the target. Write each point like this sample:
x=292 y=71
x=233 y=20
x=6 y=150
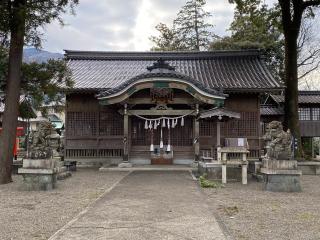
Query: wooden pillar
x=125 y=135
x=218 y=141
x=196 y=140
x=218 y=133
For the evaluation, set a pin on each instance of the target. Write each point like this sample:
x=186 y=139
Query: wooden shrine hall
x=163 y=107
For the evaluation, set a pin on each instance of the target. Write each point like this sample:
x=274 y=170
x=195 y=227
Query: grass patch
x=231 y=211
x=205 y=183
x=306 y=216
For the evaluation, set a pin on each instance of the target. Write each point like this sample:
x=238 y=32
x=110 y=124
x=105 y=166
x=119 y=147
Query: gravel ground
x=250 y=213
x=37 y=215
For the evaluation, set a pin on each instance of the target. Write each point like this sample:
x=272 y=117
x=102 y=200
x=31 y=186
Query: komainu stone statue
x=281 y=173
x=41 y=169
x=278 y=142
x=45 y=142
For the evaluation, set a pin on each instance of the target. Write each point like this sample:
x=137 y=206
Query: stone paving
x=147 y=205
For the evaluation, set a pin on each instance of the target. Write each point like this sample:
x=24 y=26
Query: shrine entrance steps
x=150 y=168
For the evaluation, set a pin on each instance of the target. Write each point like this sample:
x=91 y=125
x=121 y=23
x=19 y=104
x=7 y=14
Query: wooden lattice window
x=315 y=114
x=179 y=136
x=182 y=136
x=304 y=113
x=81 y=123
x=207 y=128
x=110 y=123
x=247 y=125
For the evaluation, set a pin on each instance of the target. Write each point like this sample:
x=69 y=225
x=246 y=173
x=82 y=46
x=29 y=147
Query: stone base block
x=214 y=171
x=40 y=163
x=279 y=164
x=309 y=167
x=282 y=181
x=254 y=166
x=37 y=182
x=63 y=175
x=125 y=165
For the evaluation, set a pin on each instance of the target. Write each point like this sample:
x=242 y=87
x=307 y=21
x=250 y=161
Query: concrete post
x=244 y=169
x=224 y=173
x=244 y=174
x=224 y=168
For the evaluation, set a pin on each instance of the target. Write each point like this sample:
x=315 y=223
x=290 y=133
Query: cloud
x=123 y=24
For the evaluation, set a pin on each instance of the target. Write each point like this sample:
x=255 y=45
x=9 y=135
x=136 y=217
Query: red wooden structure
x=19 y=133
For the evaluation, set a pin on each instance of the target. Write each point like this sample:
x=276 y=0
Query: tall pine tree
x=191 y=29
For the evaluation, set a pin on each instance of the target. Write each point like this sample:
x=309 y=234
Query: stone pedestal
x=39 y=174
x=281 y=175
x=125 y=165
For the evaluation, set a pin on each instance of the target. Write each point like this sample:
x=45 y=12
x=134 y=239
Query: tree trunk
x=196 y=28
x=10 y=117
x=291 y=94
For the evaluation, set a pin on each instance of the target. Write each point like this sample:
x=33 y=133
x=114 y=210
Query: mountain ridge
x=39 y=56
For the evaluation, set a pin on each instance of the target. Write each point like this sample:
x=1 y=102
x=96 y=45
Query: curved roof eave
x=170 y=80
x=168 y=76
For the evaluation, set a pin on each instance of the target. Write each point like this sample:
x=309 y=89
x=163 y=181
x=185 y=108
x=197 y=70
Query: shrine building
x=163 y=107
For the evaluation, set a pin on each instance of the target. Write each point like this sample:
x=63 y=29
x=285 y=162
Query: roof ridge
x=76 y=54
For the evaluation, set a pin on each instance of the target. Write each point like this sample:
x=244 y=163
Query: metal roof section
x=304 y=97
x=219 y=112
x=267 y=110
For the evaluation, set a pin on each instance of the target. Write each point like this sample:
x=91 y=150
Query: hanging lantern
x=146 y=125
x=163 y=122
x=182 y=121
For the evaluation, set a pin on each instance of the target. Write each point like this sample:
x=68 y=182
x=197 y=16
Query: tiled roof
x=161 y=69
x=271 y=110
x=230 y=70
x=305 y=97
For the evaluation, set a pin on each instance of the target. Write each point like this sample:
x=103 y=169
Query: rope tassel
x=146 y=125
x=161 y=140
x=163 y=123
x=182 y=121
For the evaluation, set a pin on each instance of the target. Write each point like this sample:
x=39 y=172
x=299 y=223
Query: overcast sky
x=123 y=24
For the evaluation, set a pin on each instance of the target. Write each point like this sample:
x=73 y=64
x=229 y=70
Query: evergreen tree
x=168 y=39
x=20 y=21
x=190 y=31
x=255 y=26
x=192 y=27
